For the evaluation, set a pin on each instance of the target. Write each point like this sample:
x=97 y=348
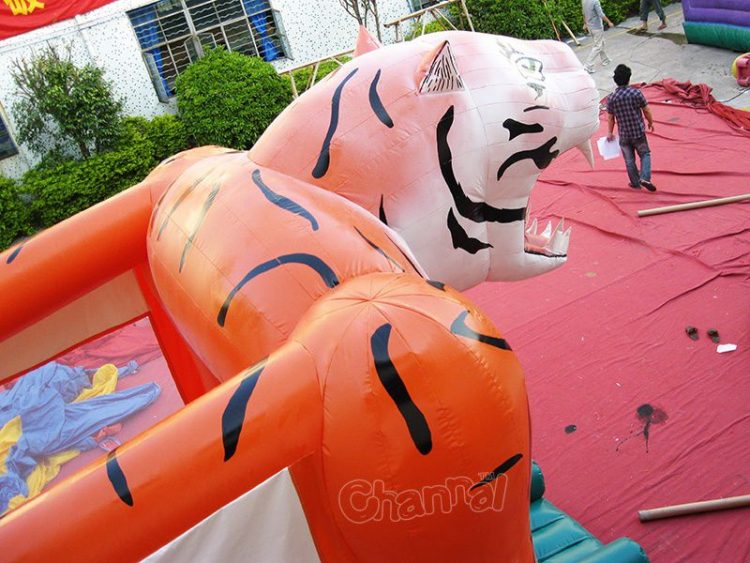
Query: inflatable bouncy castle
x=344 y=401
x=721 y=23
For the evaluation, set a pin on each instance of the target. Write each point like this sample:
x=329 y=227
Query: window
x=7 y=146
x=174 y=33
x=420 y=4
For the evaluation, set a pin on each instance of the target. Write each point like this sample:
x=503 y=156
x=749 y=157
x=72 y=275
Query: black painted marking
x=542 y=157
x=14 y=254
x=437 y=284
x=377 y=104
x=459 y=327
x=381 y=212
x=323 y=269
x=324 y=159
x=394 y=385
x=159 y=202
x=532 y=108
x=380 y=251
x=570 y=428
x=501 y=469
x=516 y=128
x=405 y=255
x=476 y=211
x=117 y=478
x=183 y=197
x=206 y=206
x=283 y=202
x=461 y=239
x=234 y=414
x=538 y=88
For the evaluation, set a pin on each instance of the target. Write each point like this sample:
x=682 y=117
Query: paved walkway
x=656 y=55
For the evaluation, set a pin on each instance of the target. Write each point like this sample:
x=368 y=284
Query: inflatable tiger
x=362 y=411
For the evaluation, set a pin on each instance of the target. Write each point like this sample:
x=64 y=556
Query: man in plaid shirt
x=628 y=106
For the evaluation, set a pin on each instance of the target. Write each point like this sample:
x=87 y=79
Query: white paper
x=608 y=149
x=721 y=348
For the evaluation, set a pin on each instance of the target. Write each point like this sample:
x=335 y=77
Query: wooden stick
x=692 y=205
x=572 y=36
x=694 y=508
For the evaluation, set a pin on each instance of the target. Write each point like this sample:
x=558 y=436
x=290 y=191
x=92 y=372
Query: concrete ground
x=656 y=55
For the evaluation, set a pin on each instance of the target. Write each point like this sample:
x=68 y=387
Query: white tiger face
x=444 y=137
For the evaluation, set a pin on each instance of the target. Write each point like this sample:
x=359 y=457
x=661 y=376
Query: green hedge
x=62 y=189
x=530 y=19
x=229 y=99
x=14 y=211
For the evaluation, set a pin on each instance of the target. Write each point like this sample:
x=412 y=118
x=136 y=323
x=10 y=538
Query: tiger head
x=443 y=138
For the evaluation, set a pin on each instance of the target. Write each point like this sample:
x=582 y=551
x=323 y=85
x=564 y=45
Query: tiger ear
x=366 y=42
x=438 y=71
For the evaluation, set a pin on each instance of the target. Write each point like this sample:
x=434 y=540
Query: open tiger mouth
x=549 y=242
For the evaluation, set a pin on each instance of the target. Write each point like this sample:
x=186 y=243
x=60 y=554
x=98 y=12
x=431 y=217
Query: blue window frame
x=7 y=146
x=174 y=33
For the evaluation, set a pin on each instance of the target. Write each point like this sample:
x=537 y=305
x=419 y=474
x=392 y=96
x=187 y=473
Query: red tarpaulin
x=20 y=16
x=627 y=411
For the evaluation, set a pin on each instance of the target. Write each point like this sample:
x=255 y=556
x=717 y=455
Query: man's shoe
x=644 y=27
x=605 y=63
x=648 y=185
x=635 y=187
x=662 y=26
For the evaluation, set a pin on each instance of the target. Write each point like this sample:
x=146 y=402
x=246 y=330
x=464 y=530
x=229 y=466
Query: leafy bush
x=14 y=213
x=168 y=136
x=64 y=108
x=229 y=99
x=64 y=189
x=530 y=19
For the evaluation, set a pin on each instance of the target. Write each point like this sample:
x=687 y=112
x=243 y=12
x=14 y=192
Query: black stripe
x=476 y=211
x=394 y=385
x=380 y=250
x=504 y=467
x=283 y=202
x=461 y=239
x=405 y=255
x=516 y=128
x=234 y=414
x=159 y=202
x=377 y=105
x=324 y=159
x=13 y=255
x=532 y=108
x=381 y=212
x=437 y=284
x=325 y=272
x=206 y=206
x=117 y=478
x=459 y=328
x=542 y=157
x=177 y=203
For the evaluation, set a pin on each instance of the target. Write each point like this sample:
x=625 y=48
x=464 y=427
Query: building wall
x=105 y=37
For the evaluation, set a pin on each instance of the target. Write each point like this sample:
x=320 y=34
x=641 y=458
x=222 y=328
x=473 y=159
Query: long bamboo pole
x=694 y=508
x=692 y=205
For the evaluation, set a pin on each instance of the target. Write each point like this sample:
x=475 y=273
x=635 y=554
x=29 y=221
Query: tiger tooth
x=532 y=228
x=547 y=233
x=587 y=151
x=560 y=242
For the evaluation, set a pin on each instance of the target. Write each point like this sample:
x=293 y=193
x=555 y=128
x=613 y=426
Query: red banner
x=20 y=16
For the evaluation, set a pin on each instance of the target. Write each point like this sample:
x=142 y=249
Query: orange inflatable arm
x=178 y=472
